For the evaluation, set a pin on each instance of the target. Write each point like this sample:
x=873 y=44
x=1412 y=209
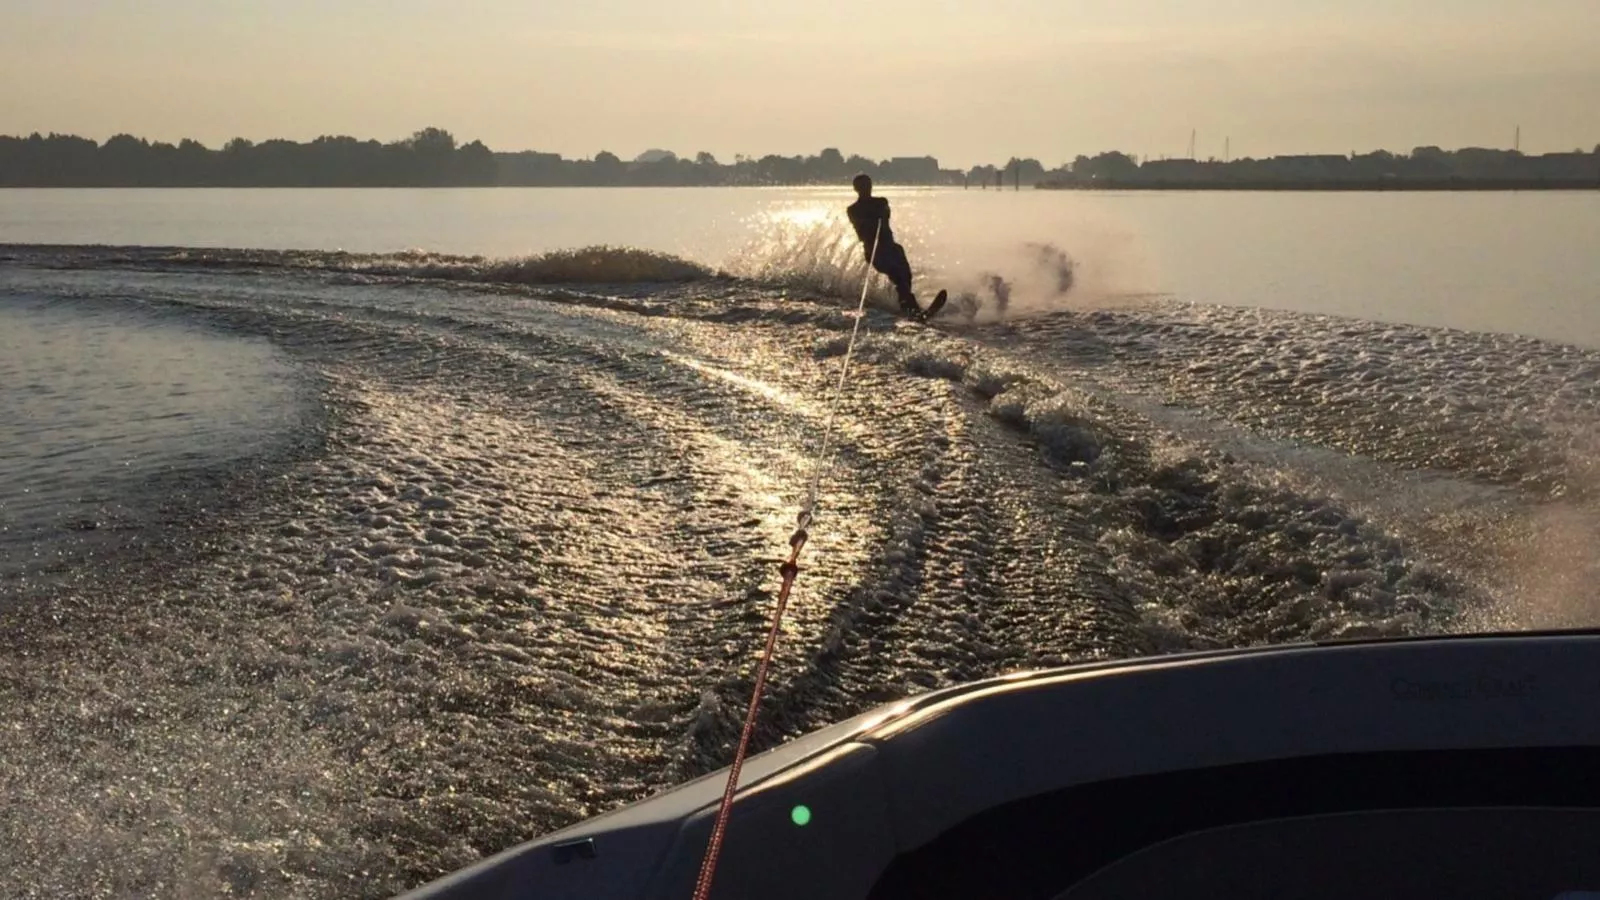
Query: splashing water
x=989 y=278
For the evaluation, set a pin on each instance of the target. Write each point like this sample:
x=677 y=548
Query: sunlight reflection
x=807 y=216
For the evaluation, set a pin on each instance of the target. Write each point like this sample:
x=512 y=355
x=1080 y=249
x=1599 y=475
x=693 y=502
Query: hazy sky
x=969 y=81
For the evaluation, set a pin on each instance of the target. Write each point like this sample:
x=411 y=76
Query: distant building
x=911 y=170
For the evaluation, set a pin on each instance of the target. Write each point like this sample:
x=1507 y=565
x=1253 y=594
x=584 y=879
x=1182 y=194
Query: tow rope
x=789 y=570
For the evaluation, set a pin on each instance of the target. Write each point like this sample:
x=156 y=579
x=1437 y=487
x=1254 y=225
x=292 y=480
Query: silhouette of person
x=865 y=214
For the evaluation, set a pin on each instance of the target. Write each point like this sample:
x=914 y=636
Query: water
x=1519 y=263
x=433 y=557
x=107 y=409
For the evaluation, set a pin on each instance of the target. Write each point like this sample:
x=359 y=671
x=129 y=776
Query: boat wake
x=519 y=572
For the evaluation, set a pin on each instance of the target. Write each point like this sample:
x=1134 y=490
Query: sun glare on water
x=808 y=216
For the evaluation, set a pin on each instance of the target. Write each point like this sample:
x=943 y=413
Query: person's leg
x=892 y=262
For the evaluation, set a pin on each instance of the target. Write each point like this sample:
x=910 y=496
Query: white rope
x=824 y=458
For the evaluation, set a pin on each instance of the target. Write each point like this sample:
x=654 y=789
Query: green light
x=801 y=814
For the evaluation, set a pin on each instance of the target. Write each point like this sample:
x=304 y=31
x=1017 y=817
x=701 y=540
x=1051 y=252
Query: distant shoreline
x=1322 y=187
x=1326 y=185
x=432 y=157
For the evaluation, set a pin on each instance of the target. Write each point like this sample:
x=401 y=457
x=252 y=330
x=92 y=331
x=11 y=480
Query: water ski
x=933 y=308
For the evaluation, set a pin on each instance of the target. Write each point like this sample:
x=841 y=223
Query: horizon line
x=1229 y=156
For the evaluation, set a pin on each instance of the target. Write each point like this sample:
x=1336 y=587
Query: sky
x=968 y=81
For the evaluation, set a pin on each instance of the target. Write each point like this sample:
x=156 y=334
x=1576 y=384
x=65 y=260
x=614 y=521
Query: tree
x=606 y=168
x=831 y=164
x=1112 y=164
x=475 y=165
x=857 y=163
x=1028 y=171
x=432 y=142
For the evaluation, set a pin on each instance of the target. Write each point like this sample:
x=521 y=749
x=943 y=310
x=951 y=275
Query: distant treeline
x=429 y=158
x=433 y=158
x=1424 y=168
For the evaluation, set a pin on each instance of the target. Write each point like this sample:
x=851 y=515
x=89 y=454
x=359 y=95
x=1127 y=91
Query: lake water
x=108 y=414
x=323 y=576
x=1519 y=263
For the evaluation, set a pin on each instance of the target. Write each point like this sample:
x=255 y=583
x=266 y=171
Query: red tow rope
x=791 y=568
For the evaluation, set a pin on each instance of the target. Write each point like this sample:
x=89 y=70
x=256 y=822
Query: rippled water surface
x=106 y=409
x=427 y=555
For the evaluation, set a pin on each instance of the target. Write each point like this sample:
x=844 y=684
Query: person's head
x=863 y=184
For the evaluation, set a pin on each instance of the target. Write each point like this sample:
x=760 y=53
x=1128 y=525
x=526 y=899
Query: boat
x=1441 y=766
